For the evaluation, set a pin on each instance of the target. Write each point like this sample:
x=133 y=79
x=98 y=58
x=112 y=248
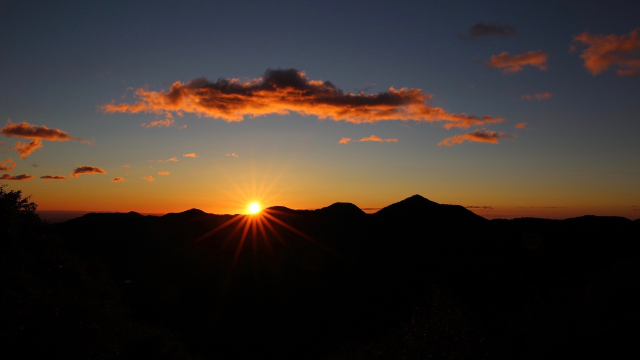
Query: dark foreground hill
x=415 y=280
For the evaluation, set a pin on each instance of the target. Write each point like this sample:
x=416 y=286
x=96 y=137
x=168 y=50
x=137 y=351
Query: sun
x=254 y=208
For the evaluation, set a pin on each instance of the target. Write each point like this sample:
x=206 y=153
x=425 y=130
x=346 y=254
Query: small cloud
x=53 y=177
x=481 y=30
x=521 y=125
x=7 y=165
x=118 y=179
x=163 y=123
x=377 y=139
x=483 y=136
x=86 y=169
x=190 y=155
x=344 y=140
x=22 y=177
x=28 y=131
x=635 y=208
x=150 y=178
x=542 y=96
x=2 y=143
x=173 y=159
x=605 y=51
x=27 y=148
x=479 y=207
x=126 y=166
x=513 y=63
x=232 y=154
x=163 y=173
x=35 y=164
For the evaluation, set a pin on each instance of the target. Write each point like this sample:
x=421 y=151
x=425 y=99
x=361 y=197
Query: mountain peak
x=342 y=209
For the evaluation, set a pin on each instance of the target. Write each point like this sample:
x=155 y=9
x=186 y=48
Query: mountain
x=415 y=279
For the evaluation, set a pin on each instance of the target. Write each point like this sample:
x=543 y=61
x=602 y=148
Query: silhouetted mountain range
x=415 y=280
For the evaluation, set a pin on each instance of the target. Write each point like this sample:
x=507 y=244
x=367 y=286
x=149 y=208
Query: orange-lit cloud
x=118 y=179
x=150 y=178
x=163 y=173
x=604 y=51
x=22 y=177
x=476 y=136
x=514 y=63
x=344 y=140
x=173 y=159
x=53 y=177
x=481 y=30
x=126 y=166
x=377 y=139
x=28 y=131
x=521 y=125
x=86 y=169
x=232 y=154
x=289 y=90
x=542 y=96
x=163 y=123
x=191 y=155
x=27 y=148
x=7 y=165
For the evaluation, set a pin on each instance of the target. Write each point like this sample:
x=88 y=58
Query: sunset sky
x=508 y=109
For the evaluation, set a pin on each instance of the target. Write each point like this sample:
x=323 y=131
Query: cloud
x=22 y=177
x=542 y=96
x=605 y=51
x=163 y=123
x=481 y=30
x=191 y=155
x=2 y=143
x=118 y=179
x=521 y=125
x=635 y=208
x=86 y=169
x=35 y=165
x=163 y=173
x=173 y=159
x=476 y=136
x=232 y=154
x=289 y=90
x=126 y=166
x=377 y=139
x=479 y=207
x=27 y=148
x=28 y=131
x=344 y=140
x=7 y=165
x=150 y=178
x=514 y=63
x=53 y=177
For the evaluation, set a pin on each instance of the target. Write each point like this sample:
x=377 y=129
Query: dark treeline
x=415 y=280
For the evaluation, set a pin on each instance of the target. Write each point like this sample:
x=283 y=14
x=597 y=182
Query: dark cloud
x=476 y=136
x=54 y=177
x=22 y=177
x=289 y=90
x=86 y=169
x=118 y=179
x=480 y=207
x=481 y=30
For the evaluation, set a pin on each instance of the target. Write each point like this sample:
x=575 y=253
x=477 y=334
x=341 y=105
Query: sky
x=508 y=109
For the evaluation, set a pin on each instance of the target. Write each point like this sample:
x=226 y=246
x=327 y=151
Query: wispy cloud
x=7 y=165
x=479 y=207
x=344 y=140
x=163 y=173
x=25 y=149
x=36 y=134
x=377 y=139
x=289 y=90
x=118 y=179
x=86 y=169
x=521 y=125
x=481 y=30
x=53 y=177
x=149 y=178
x=605 y=51
x=22 y=177
x=513 y=63
x=191 y=155
x=163 y=123
x=173 y=159
x=483 y=136
x=232 y=155
x=541 y=96
x=126 y=166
